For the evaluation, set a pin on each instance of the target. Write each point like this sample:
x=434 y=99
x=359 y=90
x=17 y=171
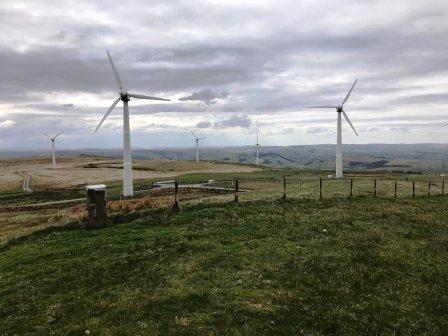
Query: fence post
x=374 y=187
x=96 y=205
x=320 y=187
x=413 y=188
x=284 y=187
x=175 y=207
x=236 y=189
x=429 y=188
x=395 y=189
x=443 y=187
x=351 y=188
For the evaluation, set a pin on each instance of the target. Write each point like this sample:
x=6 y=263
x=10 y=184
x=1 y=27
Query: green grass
x=19 y=197
x=366 y=266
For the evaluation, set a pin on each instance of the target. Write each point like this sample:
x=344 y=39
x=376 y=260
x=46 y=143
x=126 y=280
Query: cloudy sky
x=225 y=65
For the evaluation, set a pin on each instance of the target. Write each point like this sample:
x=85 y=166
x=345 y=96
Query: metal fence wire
x=295 y=187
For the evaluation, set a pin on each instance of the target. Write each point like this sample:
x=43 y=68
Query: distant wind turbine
x=257 y=161
x=125 y=96
x=339 y=110
x=53 y=150
x=197 y=145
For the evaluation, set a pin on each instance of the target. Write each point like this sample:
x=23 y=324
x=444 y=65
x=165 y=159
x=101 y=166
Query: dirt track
x=26 y=181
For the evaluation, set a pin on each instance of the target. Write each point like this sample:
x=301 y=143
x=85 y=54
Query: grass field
x=18 y=219
x=363 y=266
x=72 y=172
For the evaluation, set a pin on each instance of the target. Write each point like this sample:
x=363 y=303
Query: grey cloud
x=271 y=65
x=317 y=130
x=206 y=96
x=235 y=121
x=204 y=124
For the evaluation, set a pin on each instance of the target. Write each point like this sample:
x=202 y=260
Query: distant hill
x=405 y=157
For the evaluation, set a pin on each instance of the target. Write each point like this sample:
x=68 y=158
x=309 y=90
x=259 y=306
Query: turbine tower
x=196 y=139
x=340 y=110
x=257 y=161
x=125 y=97
x=53 y=151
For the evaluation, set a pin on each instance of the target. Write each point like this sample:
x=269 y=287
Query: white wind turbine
x=196 y=139
x=257 y=161
x=125 y=96
x=53 y=150
x=339 y=110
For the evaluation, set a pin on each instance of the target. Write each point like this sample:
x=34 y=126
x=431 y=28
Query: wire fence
x=293 y=187
x=172 y=195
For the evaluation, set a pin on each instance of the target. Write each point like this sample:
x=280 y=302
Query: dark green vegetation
x=19 y=197
x=364 y=266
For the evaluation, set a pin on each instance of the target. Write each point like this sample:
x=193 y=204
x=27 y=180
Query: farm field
x=75 y=171
x=23 y=213
x=350 y=265
x=303 y=267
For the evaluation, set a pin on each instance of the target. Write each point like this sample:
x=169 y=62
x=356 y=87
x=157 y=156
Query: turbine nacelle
x=125 y=96
x=340 y=108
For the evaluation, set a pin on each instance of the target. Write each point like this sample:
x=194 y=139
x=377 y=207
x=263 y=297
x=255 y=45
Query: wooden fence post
x=429 y=188
x=395 y=189
x=413 y=188
x=284 y=187
x=96 y=205
x=236 y=189
x=351 y=187
x=175 y=208
x=320 y=188
x=374 y=187
x=443 y=187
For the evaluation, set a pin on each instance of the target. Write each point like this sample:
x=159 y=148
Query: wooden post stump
x=395 y=189
x=374 y=188
x=320 y=188
x=429 y=188
x=413 y=188
x=237 y=185
x=443 y=187
x=96 y=205
x=351 y=188
x=284 y=187
x=175 y=208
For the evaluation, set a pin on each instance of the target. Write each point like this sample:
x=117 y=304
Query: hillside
x=405 y=157
x=362 y=266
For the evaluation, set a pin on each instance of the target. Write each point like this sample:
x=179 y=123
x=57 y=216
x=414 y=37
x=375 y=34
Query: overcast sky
x=225 y=65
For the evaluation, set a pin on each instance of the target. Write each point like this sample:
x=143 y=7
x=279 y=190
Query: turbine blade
x=117 y=77
x=47 y=136
x=202 y=138
x=57 y=135
x=326 y=106
x=193 y=135
x=140 y=96
x=444 y=125
x=349 y=122
x=349 y=92
x=108 y=112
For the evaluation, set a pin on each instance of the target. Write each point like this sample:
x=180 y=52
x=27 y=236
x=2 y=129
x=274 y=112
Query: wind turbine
x=53 y=151
x=125 y=96
x=257 y=161
x=196 y=139
x=340 y=110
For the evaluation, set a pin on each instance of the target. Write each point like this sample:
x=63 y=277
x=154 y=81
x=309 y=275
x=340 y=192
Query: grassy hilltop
x=305 y=267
